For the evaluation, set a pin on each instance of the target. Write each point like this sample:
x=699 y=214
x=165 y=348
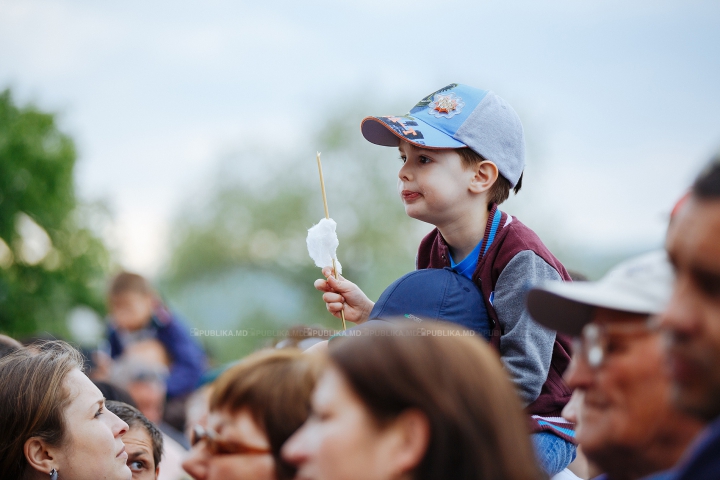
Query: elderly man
x=692 y=320
x=627 y=425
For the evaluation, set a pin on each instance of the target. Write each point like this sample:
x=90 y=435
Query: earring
x=53 y=474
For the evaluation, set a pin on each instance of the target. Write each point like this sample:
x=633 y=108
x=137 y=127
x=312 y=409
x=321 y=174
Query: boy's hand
x=340 y=293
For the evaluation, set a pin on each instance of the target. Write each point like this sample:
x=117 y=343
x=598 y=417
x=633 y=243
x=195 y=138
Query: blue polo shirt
x=467 y=266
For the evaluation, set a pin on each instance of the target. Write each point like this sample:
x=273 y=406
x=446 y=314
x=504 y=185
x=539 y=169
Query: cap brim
x=568 y=306
x=557 y=312
x=388 y=131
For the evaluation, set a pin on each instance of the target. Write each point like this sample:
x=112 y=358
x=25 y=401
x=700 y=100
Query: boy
x=136 y=316
x=463 y=150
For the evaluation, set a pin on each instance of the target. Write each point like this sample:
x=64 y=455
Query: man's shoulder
x=704 y=461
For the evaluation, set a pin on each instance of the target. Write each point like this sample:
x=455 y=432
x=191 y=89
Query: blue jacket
x=187 y=357
x=703 y=460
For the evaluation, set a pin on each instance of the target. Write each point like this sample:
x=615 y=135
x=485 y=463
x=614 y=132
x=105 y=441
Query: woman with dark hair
x=254 y=408
x=53 y=420
x=395 y=405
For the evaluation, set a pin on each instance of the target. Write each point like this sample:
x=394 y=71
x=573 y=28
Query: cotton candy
x=322 y=243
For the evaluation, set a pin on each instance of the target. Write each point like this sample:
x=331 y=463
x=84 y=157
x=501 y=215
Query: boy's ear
x=39 y=456
x=485 y=174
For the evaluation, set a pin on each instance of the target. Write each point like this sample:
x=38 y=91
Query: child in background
x=462 y=151
x=136 y=314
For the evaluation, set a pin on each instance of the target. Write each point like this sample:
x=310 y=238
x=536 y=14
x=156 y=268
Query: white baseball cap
x=641 y=285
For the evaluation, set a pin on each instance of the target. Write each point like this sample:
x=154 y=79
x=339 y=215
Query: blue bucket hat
x=434 y=294
x=458 y=116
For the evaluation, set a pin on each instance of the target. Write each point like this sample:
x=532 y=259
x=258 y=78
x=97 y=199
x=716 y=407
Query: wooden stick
x=327 y=215
x=322 y=186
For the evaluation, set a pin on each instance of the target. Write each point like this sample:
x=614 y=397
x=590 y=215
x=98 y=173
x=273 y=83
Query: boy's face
x=131 y=310
x=434 y=185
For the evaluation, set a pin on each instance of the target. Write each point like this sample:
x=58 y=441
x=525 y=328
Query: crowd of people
x=490 y=361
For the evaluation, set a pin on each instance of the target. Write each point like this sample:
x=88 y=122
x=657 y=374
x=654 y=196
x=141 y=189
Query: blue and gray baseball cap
x=458 y=116
x=434 y=294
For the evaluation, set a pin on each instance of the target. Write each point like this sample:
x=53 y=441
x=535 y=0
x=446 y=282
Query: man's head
x=145 y=381
x=627 y=420
x=692 y=320
x=143 y=441
x=478 y=129
x=446 y=297
x=131 y=301
x=626 y=404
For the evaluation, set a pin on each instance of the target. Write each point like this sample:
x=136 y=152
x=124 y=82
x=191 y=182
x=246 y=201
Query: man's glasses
x=223 y=447
x=595 y=339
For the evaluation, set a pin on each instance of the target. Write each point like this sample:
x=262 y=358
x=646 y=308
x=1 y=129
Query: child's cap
x=454 y=117
x=434 y=294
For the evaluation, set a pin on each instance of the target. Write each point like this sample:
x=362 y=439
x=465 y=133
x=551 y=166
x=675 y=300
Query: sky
x=619 y=99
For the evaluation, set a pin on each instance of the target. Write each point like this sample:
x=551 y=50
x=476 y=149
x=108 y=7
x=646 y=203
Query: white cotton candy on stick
x=322 y=243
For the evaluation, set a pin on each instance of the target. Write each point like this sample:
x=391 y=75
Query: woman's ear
x=485 y=174
x=40 y=455
x=412 y=430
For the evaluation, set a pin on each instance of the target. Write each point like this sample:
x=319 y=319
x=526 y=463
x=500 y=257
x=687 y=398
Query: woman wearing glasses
x=254 y=407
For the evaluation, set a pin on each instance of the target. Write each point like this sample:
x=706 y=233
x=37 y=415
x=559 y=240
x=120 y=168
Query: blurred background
x=178 y=139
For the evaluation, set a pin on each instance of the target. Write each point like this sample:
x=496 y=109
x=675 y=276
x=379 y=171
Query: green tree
x=50 y=261
x=239 y=258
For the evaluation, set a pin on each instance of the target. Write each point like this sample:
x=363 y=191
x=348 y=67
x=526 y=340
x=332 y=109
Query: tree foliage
x=49 y=261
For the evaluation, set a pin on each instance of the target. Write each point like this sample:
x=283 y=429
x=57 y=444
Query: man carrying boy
x=463 y=150
x=137 y=316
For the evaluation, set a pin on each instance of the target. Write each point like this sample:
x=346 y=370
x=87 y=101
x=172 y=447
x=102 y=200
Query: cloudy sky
x=619 y=99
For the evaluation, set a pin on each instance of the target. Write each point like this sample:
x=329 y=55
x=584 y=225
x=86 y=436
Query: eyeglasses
x=223 y=447
x=595 y=340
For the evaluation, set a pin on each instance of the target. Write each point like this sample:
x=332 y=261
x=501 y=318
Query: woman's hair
x=275 y=386
x=32 y=400
x=477 y=428
x=8 y=345
x=134 y=418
